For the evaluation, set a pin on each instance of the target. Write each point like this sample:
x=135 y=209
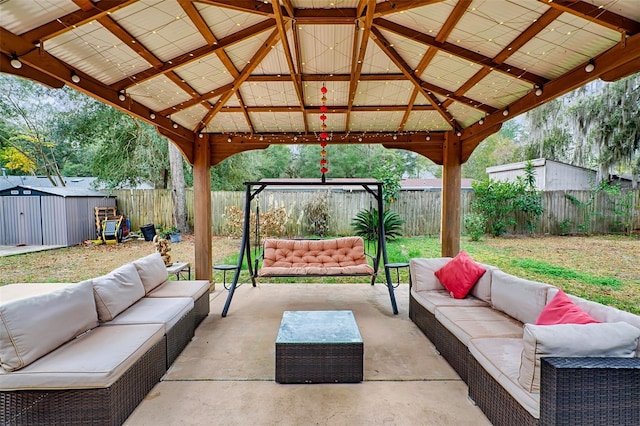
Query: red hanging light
x=323 y=135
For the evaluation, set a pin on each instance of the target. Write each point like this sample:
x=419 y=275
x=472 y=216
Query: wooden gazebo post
x=202 y=208
x=450 y=205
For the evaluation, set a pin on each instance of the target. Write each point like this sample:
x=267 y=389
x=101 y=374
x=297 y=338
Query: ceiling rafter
x=248 y=6
x=597 y=14
x=294 y=72
x=123 y=35
x=271 y=41
x=45 y=63
x=202 y=99
x=339 y=109
x=73 y=20
x=404 y=67
x=194 y=55
x=459 y=51
x=206 y=32
x=396 y=6
x=362 y=32
x=454 y=17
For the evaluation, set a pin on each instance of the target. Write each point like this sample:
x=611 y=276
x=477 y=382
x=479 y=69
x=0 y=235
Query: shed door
x=22 y=221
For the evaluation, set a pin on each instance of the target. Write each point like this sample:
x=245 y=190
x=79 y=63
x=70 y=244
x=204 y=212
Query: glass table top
x=318 y=327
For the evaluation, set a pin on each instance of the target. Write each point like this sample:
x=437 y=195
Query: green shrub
x=475 y=224
x=365 y=225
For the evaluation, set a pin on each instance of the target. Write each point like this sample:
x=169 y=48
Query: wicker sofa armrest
x=590 y=391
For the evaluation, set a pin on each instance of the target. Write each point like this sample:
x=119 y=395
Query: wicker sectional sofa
x=88 y=353
x=520 y=373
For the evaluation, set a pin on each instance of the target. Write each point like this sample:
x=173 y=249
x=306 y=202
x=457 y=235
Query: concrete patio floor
x=225 y=376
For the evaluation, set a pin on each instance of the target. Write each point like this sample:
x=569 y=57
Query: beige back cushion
x=618 y=339
x=34 y=326
x=152 y=271
x=482 y=289
x=116 y=291
x=519 y=298
x=422 y=273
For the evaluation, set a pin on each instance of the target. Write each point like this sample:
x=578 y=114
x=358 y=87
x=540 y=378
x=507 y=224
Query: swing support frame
x=252 y=189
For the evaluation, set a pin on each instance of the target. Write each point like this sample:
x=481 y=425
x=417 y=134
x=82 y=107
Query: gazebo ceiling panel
x=224 y=22
x=94 y=50
x=378 y=93
x=232 y=102
x=464 y=114
x=335 y=122
x=337 y=93
x=487 y=29
x=426 y=19
x=228 y=122
x=275 y=63
x=190 y=117
x=276 y=122
x=375 y=121
x=322 y=4
x=206 y=74
x=420 y=121
x=241 y=53
x=563 y=46
x=410 y=50
x=158 y=93
x=279 y=93
x=22 y=16
x=326 y=49
x=161 y=27
x=499 y=90
x=449 y=71
x=377 y=62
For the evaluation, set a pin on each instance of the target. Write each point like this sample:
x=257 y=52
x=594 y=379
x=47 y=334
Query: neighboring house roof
x=89 y=182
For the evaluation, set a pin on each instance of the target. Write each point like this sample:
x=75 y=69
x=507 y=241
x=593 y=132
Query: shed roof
x=59 y=191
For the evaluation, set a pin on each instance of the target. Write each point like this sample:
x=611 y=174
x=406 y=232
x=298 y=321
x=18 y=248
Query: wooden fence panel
x=419 y=209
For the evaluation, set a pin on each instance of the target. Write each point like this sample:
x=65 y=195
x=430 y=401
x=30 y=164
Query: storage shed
x=550 y=175
x=48 y=216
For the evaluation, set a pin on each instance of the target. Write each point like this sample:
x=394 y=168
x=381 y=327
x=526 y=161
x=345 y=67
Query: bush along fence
x=563 y=212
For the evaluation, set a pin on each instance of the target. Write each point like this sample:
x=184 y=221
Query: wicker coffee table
x=319 y=347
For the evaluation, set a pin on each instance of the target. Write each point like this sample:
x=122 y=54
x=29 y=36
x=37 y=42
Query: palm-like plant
x=365 y=225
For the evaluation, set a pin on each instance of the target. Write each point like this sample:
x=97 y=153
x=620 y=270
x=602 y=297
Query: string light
x=323 y=132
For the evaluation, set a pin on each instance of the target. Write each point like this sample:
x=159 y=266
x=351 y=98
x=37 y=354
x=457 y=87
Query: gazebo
x=221 y=77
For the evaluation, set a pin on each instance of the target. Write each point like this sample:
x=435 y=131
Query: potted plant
x=171 y=233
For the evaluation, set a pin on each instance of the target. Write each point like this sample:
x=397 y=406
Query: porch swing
x=277 y=254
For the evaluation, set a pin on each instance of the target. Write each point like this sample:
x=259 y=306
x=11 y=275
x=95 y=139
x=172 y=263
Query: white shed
x=550 y=175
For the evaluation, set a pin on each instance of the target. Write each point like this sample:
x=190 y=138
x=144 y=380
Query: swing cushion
x=337 y=256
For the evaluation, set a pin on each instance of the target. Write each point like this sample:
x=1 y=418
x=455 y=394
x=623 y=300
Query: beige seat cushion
x=185 y=288
x=34 y=326
x=435 y=298
x=618 y=339
x=17 y=291
x=468 y=322
x=500 y=357
x=519 y=298
x=95 y=359
x=152 y=271
x=116 y=291
x=166 y=311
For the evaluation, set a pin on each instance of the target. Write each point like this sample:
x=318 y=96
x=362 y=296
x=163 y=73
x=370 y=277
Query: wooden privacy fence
x=419 y=209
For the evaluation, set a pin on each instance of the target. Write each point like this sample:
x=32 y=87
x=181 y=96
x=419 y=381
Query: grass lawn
x=605 y=269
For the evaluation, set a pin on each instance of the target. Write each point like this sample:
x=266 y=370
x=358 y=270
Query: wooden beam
x=73 y=20
x=459 y=51
x=114 y=28
x=597 y=14
x=198 y=21
x=362 y=32
x=47 y=64
x=198 y=100
x=450 y=205
x=623 y=70
x=605 y=64
x=336 y=16
x=253 y=63
x=202 y=209
x=396 y=6
x=31 y=73
x=195 y=55
x=247 y=6
x=333 y=109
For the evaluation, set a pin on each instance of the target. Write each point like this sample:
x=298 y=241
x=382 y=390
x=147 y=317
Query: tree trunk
x=178 y=189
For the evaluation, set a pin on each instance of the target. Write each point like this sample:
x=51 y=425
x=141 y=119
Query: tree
x=495 y=150
x=178 y=188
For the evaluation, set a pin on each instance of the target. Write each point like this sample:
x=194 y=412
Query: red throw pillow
x=561 y=310
x=460 y=274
